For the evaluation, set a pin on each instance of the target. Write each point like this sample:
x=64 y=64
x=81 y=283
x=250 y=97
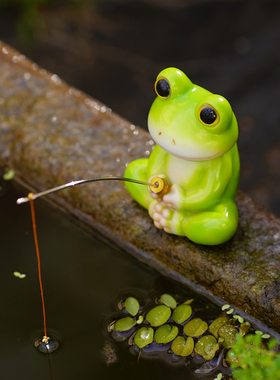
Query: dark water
x=83 y=281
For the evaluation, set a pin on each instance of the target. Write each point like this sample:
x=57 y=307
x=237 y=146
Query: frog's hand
x=211 y=189
x=144 y=169
x=138 y=170
x=213 y=226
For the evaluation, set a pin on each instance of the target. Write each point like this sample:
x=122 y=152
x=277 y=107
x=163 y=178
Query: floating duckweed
x=229 y=333
x=182 y=313
x=207 y=347
x=195 y=327
x=219 y=376
x=132 y=306
x=19 y=275
x=225 y=307
x=125 y=324
x=9 y=175
x=144 y=336
x=166 y=333
x=140 y=319
x=158 y=315
x=182 y=347
x=188 y=302
x=216 y=324
x=239 y=318
x=230 y=311
x=258 y=332
x=265 y=336
x=168 y=300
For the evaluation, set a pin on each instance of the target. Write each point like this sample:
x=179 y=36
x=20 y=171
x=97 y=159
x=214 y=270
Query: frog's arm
x=143 y=169
x=156 y=165
x=211 y=189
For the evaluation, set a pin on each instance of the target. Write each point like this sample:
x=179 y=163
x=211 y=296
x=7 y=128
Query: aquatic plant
x=252 y=360
x=180 y=333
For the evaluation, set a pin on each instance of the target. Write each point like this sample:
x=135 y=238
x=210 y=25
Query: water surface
x=83 y=279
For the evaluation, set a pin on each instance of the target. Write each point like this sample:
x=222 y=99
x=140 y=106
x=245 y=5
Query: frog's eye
x=208 y=115
x=163 y=88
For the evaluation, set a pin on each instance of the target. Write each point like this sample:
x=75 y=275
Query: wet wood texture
x=51 y=133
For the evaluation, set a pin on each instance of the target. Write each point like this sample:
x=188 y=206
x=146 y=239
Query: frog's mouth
x=192 y=158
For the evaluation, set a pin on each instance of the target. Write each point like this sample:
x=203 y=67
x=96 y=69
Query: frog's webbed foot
x=165 y=218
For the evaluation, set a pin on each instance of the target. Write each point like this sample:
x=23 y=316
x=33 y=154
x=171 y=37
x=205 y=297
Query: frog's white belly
x=187 y=174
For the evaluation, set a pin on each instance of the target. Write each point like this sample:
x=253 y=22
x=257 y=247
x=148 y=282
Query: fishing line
x=157 y=185
x=30 y=195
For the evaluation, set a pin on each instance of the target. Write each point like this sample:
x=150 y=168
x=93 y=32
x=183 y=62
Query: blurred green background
x=113 y=50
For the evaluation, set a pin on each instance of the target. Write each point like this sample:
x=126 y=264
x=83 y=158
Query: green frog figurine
x=196 y=153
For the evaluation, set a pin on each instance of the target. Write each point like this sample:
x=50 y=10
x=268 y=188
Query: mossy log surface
x=52 y=134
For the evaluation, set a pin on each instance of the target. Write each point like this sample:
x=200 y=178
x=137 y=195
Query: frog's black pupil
x=208 y=115
x=163 y=88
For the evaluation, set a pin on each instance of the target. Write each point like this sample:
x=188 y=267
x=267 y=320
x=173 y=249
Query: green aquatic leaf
x=125 y=324
x=168 y=300
x=182 y=313
x=132 y=306
x=9 y=175
x=195 y=327
x=144 y=336
x=158 y=315
x=182 y=347
x=166 y=333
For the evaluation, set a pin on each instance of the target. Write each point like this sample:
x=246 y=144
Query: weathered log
x=52 y=134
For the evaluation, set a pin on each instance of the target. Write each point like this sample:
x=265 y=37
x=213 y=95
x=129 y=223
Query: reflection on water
x=83 y=280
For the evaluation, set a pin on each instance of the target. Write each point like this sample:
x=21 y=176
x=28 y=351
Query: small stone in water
x=182 y=313
x=124 y=324
x=110 y=355
x=144 y=336
x=195 y=327
x=158 y=315
x=166 y=333
x=132 y=306
x=168 y=300
x=182 y=347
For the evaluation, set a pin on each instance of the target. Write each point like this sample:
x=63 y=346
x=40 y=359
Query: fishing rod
x=157 y=185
